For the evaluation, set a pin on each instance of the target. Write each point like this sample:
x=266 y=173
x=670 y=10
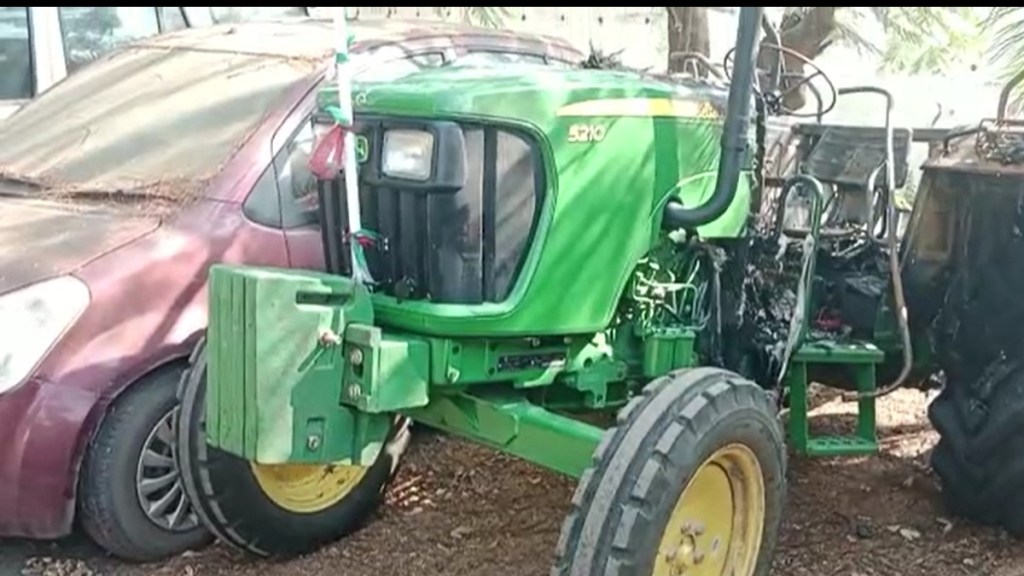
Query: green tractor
x=529 y=246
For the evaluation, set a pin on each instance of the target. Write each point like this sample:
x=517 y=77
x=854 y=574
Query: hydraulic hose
x=894 y=261
x=734 y=131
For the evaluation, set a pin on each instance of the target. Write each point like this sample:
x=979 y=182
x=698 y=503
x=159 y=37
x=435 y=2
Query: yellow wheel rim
x=307 y=488
x=716 y=526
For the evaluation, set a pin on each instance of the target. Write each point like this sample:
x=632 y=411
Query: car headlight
x=32 y=319
x=408 y=154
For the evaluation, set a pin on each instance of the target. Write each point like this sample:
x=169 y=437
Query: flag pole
x=343 y=76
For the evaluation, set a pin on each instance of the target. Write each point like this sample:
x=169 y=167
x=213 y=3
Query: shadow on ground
x=460 y=510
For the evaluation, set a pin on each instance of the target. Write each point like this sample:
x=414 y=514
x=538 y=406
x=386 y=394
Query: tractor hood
x=45 y=239
x=535 y=95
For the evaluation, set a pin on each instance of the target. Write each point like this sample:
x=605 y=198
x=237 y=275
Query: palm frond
x=910 y=39
x=1006 y=24
x=930 y=40
x=851 y=25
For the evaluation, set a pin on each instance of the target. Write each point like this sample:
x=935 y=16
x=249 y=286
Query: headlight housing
x=32 y=319
x=408 y=154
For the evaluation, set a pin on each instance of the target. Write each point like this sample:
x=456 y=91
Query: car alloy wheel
x=158 y=482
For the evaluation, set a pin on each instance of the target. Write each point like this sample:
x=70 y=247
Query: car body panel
x=69 y=238
x=41 y=425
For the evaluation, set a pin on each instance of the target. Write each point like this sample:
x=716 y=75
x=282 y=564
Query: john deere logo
x=362 y=148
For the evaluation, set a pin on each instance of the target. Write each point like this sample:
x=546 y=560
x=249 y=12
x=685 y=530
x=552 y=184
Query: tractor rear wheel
x=273 y=510
x=977 y=459
x=691 y=480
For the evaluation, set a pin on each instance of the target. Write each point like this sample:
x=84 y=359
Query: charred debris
x=971 y=295
x=750 y=287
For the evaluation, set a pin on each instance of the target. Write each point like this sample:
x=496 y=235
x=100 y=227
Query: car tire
x=131 y=461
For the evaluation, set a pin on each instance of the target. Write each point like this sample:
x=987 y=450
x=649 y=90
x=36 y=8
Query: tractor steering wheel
x=774 y=95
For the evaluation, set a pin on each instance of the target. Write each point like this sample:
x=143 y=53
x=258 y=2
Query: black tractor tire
x=977 y=458
x=231 y=503
x=624 y=503
x=109 y=508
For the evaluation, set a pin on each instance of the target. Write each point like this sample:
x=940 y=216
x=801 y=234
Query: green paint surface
x=274 y=386
x=502 y=374
x=603 y=203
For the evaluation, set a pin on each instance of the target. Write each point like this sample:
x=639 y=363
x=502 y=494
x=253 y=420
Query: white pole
x=344 y=78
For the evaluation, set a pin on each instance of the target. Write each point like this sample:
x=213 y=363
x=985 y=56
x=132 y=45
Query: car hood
x=44 y=239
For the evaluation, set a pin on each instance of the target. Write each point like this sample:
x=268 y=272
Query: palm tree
x=915 y=40
x=1006 y=52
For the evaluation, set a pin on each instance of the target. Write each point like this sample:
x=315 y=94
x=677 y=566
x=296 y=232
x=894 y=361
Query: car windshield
x=144 y=118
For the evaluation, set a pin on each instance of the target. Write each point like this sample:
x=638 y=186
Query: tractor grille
x=464 y=247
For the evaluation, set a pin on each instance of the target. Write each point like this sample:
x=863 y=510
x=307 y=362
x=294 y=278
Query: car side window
x=90 y=32
x=262 y=205
x=16 y=77
x=296 y=184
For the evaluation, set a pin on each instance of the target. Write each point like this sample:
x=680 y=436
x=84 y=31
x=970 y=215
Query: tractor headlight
x=32 y=319
x=408 y=154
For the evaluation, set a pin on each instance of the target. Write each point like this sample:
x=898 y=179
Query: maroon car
x=119 y=187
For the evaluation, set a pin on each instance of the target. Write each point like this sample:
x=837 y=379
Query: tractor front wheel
x=279 y=510
x=691 y=480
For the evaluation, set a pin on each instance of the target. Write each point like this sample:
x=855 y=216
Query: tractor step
x=862 y=358
x=840 y=446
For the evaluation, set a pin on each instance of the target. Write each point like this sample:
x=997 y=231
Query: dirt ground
x=459 y=510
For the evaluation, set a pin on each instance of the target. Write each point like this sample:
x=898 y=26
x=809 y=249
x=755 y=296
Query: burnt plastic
x=848 y=154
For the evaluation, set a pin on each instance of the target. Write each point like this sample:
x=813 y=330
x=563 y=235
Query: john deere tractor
x=522 y=247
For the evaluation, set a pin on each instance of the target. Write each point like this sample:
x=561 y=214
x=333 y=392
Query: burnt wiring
x=672 y=288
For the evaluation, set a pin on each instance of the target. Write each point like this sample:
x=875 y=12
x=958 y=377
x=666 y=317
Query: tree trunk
x=687 y=32
x=807 y=32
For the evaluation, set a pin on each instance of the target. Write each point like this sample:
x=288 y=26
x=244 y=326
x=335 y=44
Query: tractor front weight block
x=295 y=367
x=299 y=374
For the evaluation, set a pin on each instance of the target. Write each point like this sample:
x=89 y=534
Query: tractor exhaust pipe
x=734 y=132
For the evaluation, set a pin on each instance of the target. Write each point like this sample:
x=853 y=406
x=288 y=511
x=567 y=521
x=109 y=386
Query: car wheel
x=131 y=501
